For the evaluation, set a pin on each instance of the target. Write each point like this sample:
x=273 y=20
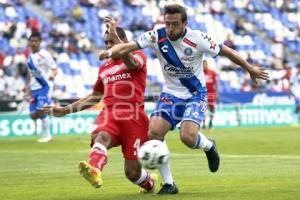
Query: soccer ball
x=153 y=154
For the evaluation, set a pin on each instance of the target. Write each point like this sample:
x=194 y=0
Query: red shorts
x=127 y=127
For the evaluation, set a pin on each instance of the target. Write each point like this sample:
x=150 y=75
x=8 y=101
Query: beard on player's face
x=174 y=35
x=174 y=25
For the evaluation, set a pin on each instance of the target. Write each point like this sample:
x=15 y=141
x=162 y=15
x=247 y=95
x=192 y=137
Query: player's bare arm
x=118 y=50
x=27 y=81
x=53 y=74
x=82 y=104
x=255 y=72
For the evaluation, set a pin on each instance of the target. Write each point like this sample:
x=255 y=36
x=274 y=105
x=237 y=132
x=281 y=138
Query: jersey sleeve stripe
x=137 y=43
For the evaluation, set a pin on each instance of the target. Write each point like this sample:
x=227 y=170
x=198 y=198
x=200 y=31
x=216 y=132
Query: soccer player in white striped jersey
x=42 y=71
x=183 y=100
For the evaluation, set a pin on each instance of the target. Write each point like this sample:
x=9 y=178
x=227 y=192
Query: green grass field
x=259 y=163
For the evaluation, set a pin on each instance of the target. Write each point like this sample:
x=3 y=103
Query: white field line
x=275 y=156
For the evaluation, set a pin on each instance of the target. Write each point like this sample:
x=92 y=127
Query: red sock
x=98 y=158
x=148 y=183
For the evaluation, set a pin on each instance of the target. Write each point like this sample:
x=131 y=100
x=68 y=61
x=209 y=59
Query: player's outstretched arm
x=53 y=74
x=81 y=104
x=118 y=50
x=255 y=72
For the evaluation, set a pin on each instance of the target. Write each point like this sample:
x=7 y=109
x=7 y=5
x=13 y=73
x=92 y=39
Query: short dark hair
x=174 y=9
x=120 y=32
x=36 y=35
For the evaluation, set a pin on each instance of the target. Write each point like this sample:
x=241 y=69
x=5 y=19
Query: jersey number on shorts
x=136 y=145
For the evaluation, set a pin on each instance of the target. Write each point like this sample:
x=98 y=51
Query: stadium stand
x=74 y=34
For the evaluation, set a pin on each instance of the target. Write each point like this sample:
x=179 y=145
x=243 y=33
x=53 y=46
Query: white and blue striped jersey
x=40 y=65
x=181 y=60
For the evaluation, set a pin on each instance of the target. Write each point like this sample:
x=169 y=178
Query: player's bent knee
x=188 y=138
x=155 y=135
x=35 y=116
x=133 y=174
x=103 y=138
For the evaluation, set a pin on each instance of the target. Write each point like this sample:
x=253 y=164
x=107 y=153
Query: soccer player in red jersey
x=211 y=79
x=121 y=85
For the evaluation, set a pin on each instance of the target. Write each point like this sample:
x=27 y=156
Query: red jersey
x=211 y=80
x=120 y=84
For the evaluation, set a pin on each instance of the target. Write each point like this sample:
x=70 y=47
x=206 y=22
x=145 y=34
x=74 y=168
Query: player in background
x=121 y=84
x=42 y=71
x=183 y=100
x=295 y=90
x=211 y=79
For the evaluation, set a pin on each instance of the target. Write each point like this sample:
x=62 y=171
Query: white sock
x=165 y=171
x=202 y=142
x=100 y=146
x=143 y=176
x=46 y=128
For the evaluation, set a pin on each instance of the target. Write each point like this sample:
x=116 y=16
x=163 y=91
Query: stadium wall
x=226 y=116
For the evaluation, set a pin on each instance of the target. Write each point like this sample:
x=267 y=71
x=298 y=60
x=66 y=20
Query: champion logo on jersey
x=164 y=48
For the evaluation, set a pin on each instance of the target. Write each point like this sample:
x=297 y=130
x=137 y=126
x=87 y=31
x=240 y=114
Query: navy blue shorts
x=176 y=110
x=39 y=99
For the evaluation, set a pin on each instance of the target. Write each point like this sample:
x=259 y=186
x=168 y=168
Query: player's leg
x=91 y=170
x=103 y=138
x=296 y=115
x=160 y=123
x=139 y=176
x=204 y=122
x=297 y=112
x=44 y=100
x=134 y=134
x=211 y=106
x=37 y=103
x=191 y=137
x=157 y=130
x=98 y=155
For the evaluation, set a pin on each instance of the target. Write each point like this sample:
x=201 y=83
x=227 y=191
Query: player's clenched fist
x=104 y=54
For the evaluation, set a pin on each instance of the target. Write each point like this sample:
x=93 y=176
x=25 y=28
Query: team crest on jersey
x=188 y=51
